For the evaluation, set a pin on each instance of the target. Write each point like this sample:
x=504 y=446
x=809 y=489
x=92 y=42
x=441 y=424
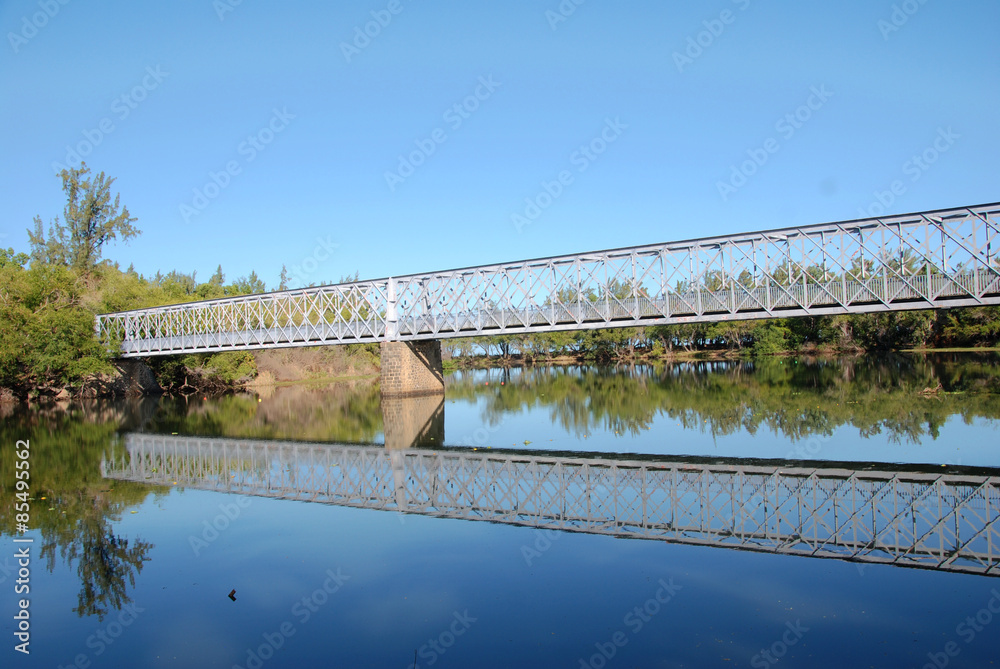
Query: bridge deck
x=927 y=260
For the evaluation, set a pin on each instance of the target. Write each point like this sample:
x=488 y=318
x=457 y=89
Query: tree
x=246 y=285
x=282 y=278
x=905 y=262
x=893 y=330
x=105 y=561
x=714 y=280
x=177 y=284
x=218 y=279
x=46 y=335
x=90 y=220
x=618 y=290
x=8 y=257
x=735 y=333
x=976 y=326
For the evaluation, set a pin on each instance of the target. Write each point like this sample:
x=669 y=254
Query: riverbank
x=210 y=374
x=261 y=372
x=518 y=360
x=586 y=358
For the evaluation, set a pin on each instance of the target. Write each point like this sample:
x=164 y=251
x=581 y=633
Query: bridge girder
x=926 y=260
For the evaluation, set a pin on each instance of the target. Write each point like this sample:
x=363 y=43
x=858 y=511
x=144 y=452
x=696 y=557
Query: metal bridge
x=926 y=260
x=941 y=521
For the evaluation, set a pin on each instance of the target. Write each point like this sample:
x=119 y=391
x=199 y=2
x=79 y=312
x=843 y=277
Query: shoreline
x=481 y=362
x=85 y=391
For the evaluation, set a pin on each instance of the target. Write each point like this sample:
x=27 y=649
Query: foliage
x=232 y=366
x=218 y=279
x=228 y=368
x=246 y=285
x=893 y=330
x=47 y=322
x=46 y=332
x=885 y=331
x=770 y=338
x=90 y=220
x=976 y=326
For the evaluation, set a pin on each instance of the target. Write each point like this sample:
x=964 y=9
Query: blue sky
x=578 y=127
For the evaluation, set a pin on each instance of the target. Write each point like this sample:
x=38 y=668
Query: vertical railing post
x=885 y=282
x=768 y=276
x=805 y=289
x=391 y=317
x=843 y=284
x=479 y=281
x=663 y=283
x=635 y=291
x=505 y=307
x=553 y=295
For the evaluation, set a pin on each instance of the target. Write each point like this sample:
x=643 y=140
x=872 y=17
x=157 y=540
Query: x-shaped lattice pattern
x=943 y=258
x=937 y=521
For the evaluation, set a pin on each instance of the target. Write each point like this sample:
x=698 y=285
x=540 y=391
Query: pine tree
x=90 y=220
x=218 y=279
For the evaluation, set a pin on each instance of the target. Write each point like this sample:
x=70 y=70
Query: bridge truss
x=927 y=260
x=946 y=522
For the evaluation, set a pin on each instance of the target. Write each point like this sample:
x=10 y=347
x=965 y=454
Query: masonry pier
x=411 y=368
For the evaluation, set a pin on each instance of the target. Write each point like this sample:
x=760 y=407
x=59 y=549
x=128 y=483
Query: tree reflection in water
x=73 y=506
x=105 y=562
x=795 y=398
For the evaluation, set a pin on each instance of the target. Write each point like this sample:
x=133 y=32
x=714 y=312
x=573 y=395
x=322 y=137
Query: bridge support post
x=411 y=368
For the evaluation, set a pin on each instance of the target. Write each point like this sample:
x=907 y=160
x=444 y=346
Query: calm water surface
x=564 y=517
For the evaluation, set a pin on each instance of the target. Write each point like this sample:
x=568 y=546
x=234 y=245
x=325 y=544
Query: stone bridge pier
x=411 y=368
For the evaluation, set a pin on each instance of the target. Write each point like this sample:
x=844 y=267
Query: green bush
x=47 y=335
x=769 y=338
x=232 y=366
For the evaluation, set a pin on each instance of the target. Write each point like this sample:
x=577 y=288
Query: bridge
x=926 y=260
x=865 y=513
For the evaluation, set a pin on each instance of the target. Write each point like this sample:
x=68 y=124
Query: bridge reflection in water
x=942 y=521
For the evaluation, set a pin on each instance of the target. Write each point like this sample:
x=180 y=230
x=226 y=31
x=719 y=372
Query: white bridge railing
x=926 y=260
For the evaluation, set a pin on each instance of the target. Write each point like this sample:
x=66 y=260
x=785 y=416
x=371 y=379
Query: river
x=792 y=512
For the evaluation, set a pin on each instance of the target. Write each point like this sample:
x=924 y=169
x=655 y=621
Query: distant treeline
x=965 y=327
